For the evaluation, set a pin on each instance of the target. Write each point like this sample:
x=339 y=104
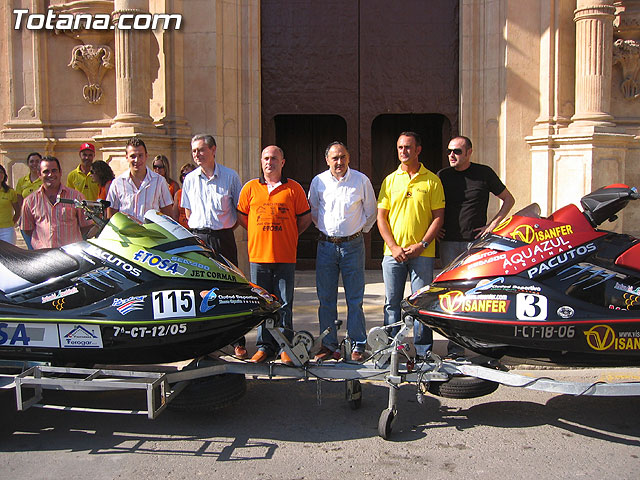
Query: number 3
x=531 y=307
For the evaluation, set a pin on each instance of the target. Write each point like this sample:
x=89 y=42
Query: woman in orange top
x=178 y=211
x=161 y=167
x=103 y=175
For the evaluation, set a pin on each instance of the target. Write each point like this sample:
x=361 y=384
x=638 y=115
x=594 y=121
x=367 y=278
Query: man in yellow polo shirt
x=410 y=213
x=79 y=178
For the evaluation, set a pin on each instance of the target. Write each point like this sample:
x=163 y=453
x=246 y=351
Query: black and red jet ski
x=135 y=294
x=555 y=289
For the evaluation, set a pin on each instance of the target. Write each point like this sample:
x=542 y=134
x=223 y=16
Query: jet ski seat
x=630 y=258
x=20 y=268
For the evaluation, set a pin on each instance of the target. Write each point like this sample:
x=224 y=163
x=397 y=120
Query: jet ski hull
x=136 y=294
x=554 y=289
x=490 y=327
x=123 y=330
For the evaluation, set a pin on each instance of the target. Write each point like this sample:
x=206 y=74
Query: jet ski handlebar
x=93 y=210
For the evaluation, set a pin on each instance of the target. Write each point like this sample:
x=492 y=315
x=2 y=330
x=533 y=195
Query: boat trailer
x=389 y=363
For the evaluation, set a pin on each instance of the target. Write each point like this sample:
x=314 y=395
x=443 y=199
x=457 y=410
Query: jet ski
x=135 y=294
x=555 y=290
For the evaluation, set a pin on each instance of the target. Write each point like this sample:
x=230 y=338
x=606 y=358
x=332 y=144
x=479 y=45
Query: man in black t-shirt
x=466 y=189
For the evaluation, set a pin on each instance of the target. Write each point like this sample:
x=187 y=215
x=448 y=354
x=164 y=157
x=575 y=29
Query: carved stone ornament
x=94 y=62
x=93 y=56
x=627 y=54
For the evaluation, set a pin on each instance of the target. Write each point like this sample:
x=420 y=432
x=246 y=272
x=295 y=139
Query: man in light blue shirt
x=209 y=197
x=343 y=207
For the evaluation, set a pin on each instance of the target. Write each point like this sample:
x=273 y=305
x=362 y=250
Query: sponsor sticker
x=186 y=261
x=498 y=284
x=561 y=259
x=603 y=337
x=565 y=311
x=162 y=264
x=128 y=305
x=456 y=301
x=627 y=288
x=528 y=234
x=59 y=294
x=58 y=304
x=526 y=257
x=214 y=275
x=487 y=258
x=28 y=335
x=112 y=259
x=208 y=300
x=630 y=300
x=211 y=299
x=80 y=336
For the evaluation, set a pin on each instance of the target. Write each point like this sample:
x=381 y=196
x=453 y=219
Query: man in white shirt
x=138 y=189
x=343 y=207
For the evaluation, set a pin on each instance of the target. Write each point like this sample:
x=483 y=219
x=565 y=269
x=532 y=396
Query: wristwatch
x=424 y=244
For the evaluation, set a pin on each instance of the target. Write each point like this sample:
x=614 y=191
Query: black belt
x=325 y=238
x=208 y=231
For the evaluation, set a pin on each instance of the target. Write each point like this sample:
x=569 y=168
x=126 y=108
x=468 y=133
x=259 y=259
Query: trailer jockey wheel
x=303 y=337
x=385 y=423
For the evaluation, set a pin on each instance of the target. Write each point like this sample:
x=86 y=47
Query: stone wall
x=549 y=89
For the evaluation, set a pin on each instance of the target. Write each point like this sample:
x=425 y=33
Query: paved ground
x=305 y=307
x=305 y=430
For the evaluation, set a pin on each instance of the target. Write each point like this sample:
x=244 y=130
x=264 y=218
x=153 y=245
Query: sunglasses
x=457 y=151
x=158 y=167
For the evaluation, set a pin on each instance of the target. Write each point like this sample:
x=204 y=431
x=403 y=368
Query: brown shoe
x=357 y=356
x=240 y=352
x=285 y=358
x=259 y=357
x=326 y=353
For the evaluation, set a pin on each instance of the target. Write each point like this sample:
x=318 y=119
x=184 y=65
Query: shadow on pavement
x=274 y=411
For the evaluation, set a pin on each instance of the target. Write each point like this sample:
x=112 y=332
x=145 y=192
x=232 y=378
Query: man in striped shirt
x=45 y=221
x=138 y=189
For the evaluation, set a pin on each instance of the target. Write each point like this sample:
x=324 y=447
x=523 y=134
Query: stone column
x=133 y=88
x=594 y=44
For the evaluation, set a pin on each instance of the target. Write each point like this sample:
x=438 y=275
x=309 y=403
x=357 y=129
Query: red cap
x=87 y=146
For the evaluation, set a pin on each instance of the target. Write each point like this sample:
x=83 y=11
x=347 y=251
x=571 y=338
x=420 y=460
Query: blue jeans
x=278 y=279
x=449 y=250
x=332 y=260
x=394 y=275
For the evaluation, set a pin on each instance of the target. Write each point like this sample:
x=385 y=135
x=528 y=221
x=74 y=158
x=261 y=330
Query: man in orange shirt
x=274 y=210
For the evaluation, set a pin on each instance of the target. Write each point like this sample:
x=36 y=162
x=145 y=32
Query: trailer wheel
x=461 y=386
x=353 y=393
x=209 y=394
x=385 y=423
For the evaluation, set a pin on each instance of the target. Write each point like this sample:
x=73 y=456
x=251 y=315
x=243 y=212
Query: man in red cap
x=79 y=178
